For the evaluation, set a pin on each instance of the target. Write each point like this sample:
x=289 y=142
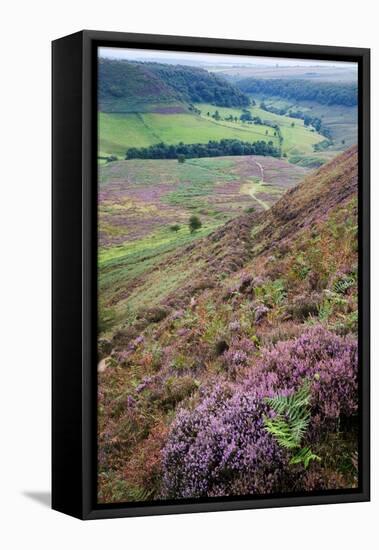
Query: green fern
x=291 y=422
x=304 y=456
x=343 y=284
x=138 y=494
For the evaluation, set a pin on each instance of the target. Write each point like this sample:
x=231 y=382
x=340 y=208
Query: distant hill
x=199 y=86
x=323 y=73
x=126 y=87
x=326 y=93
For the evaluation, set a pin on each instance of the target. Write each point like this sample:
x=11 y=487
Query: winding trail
x=261 y=169
x=252 y=187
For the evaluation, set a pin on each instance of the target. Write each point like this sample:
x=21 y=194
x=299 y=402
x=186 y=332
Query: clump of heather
x=238 y=355
x=222 y=447
x=144 y=383
x=260 y=313
x=234 y=326
x=329 y=361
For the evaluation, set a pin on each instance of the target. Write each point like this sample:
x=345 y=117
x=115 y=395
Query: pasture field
x=119 y=131
x=341 y=120
x=297 y=139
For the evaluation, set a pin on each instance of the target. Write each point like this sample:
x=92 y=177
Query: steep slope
x=131 y=87
x=126 y=87
x=208 y=262
x=285 y=275
x=197 y=85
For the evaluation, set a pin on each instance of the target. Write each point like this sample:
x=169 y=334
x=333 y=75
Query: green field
x=341 y=120
x=298 y=140
x=119 y=131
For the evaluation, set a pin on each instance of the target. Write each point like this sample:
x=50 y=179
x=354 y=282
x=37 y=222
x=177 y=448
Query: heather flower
x=135 y=343
x=178 y=314
x=130 y=402
x=182 y=332
x=329 y=361
x=238 y=354
x=260 y=313
x=222 y=447
x=234 y=326
x=145 y=382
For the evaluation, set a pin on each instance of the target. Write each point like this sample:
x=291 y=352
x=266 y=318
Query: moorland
x=227 y=281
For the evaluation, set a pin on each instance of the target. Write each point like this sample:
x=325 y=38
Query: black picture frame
x=74 y=203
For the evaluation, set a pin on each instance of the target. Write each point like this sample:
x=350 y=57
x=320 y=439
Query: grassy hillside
x=118 y=131
x=225 y=323
x=142 y=104
x=130 y=87
x=297 y=139
x=340 y=120
x=195 y=84
x=141 y=200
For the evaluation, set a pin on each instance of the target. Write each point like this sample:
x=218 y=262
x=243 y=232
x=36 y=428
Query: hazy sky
x=212 y=59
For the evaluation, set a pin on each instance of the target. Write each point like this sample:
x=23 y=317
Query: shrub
x=271 y=293
x=222 y=447
x=111 y=158
x=175 y=227
x=194 y=223
x=238 y=355
x=329 y=361
x=304 y=306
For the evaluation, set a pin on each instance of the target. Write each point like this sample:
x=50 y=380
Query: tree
x=194 y=223
x=111 y=158
x=181 y=159
x=175 y=227
x=246 y=115
x=292 y=124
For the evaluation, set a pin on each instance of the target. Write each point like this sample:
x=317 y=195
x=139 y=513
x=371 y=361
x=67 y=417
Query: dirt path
x=261 y=169
x=253 y=187
x=252 y=190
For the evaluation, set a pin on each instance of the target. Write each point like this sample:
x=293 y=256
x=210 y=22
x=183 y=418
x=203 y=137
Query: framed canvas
x=210 y=275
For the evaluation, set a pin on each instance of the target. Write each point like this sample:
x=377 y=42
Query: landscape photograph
x=227 y=276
